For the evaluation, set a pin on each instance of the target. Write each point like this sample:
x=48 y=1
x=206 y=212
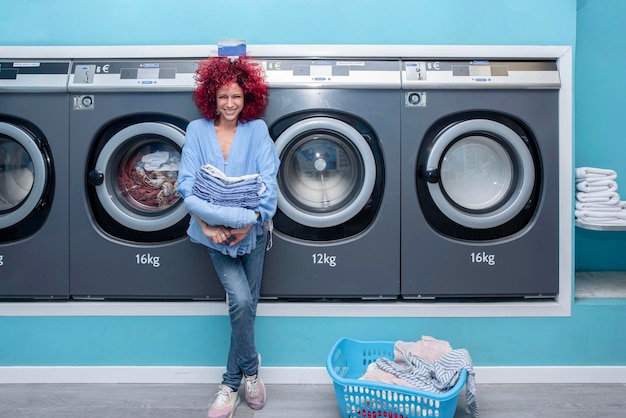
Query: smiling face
x=230 y=102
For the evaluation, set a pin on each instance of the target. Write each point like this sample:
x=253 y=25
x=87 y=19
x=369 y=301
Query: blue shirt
x=252 y=152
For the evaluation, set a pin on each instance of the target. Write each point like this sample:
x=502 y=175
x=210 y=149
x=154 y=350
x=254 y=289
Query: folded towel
x=215 y=187
x=591 y=216
x=217 y=173
x=593 y=172
x=596 y=186
x=241 y=194
x=598 y=197
x=599 y=207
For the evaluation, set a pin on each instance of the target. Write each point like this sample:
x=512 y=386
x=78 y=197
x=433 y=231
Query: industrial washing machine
x=336 y=127
x=34 y=146
x=128 y=225
x=480 y=179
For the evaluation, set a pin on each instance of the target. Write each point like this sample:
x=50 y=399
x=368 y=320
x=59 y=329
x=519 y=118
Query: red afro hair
x=215 y=72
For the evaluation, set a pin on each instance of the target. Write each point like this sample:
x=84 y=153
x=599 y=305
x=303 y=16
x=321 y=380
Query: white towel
x=217 y=173
x=596 y=186
x=599 y=207
x=591 y=216
x=611 y=198
x=593 y=172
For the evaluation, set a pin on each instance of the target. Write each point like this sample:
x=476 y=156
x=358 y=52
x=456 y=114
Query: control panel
x=332 y=73
x=133 y=75
x=34 y=76
x=480 y=74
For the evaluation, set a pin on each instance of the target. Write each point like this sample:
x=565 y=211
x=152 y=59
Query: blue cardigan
x=252 y=152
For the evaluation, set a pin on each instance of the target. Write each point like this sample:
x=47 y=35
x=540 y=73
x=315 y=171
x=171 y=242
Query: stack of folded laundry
x=597 y=199
x=215 y=187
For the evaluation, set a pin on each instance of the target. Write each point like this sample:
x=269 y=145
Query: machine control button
x=83 y=102
x=87 y=101
x=415 y=98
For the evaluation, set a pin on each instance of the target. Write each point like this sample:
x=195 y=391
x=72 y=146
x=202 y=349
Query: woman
x=232 y=95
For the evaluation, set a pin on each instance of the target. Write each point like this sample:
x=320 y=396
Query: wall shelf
x=600 y=285
x=596 y=227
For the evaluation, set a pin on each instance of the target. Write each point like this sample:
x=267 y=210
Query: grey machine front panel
x=335 y=247
x=119 y=110
x=34 y=146
x=447 y=258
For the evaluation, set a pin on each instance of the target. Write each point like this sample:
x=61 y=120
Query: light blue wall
x=297 y=341
x=600 y=133
x=179 y=22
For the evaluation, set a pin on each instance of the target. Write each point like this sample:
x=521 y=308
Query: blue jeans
x=241 y=278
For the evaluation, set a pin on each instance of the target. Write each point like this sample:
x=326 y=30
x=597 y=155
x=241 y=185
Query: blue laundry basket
x=348 y=361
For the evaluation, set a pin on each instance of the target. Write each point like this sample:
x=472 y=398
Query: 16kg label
x=148 y=259
x=483 y=257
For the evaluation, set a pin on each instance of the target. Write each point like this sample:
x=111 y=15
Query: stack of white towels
x=597 y=199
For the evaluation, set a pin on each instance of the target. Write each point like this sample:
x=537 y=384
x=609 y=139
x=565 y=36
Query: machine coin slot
x=415 y=70
x=83 y=74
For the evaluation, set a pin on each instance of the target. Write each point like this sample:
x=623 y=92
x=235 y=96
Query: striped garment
x=435 y=376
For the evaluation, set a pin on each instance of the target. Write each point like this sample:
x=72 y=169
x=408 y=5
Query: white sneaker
x=255 y=389
x=225 y=403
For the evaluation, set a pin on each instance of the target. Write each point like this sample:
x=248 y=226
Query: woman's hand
x=239 y=234
x=217 y=234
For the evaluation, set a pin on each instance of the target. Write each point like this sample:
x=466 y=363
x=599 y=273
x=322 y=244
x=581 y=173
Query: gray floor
x=303 y=401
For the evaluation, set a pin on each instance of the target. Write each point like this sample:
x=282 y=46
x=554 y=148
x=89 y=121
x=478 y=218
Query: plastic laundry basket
x=348 y=361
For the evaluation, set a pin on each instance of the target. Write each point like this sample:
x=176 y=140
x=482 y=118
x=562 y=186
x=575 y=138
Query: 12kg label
x=483 y=257
x=323 y=258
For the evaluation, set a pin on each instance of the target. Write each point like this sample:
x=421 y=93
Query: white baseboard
x=291 y=375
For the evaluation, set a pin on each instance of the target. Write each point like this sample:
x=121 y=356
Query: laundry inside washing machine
x=128 y=231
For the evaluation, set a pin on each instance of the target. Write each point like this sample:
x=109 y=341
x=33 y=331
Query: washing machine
x=34 y=146
x=336 y=128
x=128 y=224
x=480 y=179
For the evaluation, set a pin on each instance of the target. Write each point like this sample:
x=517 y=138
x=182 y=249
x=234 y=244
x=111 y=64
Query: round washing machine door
x=135 y=174
x=480 y=173
x=327 y=174
x=25 y=175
